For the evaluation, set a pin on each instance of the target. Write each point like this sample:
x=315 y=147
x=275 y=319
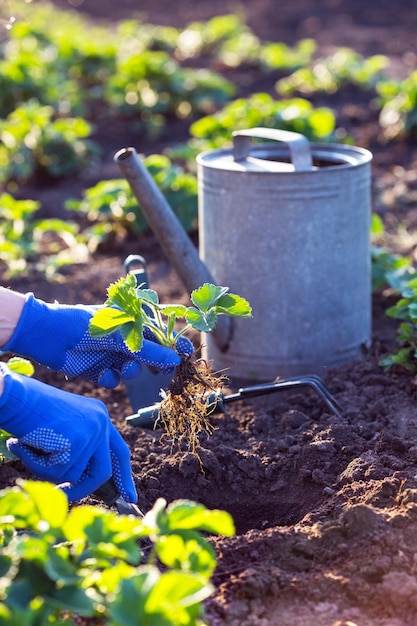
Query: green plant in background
x=59 y=564
x=397 y=273
x=33 y=141
x=27 y=243
x=228 y=40
x=406 y=311
x=398 y=102
x=330 y=73
x=153 y=85
x=112 y=209
x=56 y=57
x=389 y=269
x=260 y=109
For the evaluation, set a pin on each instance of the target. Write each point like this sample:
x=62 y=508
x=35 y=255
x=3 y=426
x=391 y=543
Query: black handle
x=107 y=492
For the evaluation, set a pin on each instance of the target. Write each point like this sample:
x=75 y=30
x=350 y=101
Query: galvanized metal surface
x=296 y=245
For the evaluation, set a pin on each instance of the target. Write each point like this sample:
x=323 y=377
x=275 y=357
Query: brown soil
x=325 y=506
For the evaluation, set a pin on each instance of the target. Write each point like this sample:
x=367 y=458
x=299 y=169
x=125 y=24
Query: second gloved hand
x=64 y=438
x=57 y=336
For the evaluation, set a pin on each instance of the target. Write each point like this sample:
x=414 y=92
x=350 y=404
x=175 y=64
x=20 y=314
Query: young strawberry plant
x=131 y=309
x=85 y=565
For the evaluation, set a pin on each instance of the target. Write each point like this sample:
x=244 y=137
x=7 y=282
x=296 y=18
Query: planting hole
x=266 y=468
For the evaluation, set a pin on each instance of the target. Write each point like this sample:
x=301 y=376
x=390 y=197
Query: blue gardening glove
x=57 y=336
x=64 y=438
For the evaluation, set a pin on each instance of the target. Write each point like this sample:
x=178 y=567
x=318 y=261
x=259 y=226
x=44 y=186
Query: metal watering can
x=285 y=224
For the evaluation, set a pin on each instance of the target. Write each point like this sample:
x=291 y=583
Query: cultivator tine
x=316 y=383
x=310 y=380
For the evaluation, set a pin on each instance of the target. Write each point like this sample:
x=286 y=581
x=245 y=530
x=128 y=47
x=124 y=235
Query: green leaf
x=106 y=320
x=128 y=606
x=6 y=563
x=132 y=334
x=51 y=502
x=206 y=296
x=179 y=310
x=201 y=321
x=148 y=295
x=188 y=551
x=399 y=310
x=32 y=504
x=122 y=295
x=174 y=592
x=21 y=366
x=109 y=535
x=399 y=358
x=17 y=509
x=72 y=599
x=185 y=514
x=412 y=311
x=234 y=305
x=110 y=578
x=60 y=567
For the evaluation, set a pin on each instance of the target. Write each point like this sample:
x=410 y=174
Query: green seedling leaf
x=148 y=295
x=132 y=333
x=128 y=607
x=134 y=308
x=174 y=592
x=204 y=322
x=21 y=366
x=106 y=320
x=109 y=580
x=187 y=515
x=109 y=536
x=4 y=450
x=31 y=504
x=206 y=296
x=188 y=552
x=179 y=310
x=72 y=599
x=50 y=501
x=122 y=295
x=234 y=305
x=402 y=357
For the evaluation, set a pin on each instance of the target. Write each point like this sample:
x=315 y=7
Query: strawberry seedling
x=183 y=410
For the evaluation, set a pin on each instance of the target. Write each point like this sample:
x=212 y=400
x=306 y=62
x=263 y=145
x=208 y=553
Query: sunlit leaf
x=206 y=296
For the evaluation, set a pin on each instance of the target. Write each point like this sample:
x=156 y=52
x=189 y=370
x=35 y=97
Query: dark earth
x=325 y=506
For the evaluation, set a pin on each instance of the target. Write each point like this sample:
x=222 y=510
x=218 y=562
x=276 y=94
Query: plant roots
x=185 y=406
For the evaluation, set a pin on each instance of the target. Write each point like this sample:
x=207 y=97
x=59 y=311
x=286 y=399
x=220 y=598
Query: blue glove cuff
x=44 y=331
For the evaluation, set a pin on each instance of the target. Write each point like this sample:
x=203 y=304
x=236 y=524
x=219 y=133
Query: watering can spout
x=170 y=234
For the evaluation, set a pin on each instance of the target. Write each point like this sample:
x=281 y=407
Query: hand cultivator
x=111 y=497
x=148 y=417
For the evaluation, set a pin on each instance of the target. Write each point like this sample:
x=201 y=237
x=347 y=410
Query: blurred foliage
x=33 y=141
x=27 y=243
x=60 y=73
x=111 y=208
x=329 y=74
x=398 y=102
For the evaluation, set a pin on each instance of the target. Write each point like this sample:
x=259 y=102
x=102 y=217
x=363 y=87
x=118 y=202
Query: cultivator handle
x=109 y=494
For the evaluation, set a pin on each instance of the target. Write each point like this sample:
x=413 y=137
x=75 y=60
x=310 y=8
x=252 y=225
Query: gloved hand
x=57 y=336
x=63 y=438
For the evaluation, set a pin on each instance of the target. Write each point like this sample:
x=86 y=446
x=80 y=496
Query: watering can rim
x=342 y=156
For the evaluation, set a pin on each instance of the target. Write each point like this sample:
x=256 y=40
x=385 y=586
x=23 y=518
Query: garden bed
x=325 y=506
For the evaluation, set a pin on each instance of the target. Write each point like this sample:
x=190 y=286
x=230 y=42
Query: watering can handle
x=298 y=144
